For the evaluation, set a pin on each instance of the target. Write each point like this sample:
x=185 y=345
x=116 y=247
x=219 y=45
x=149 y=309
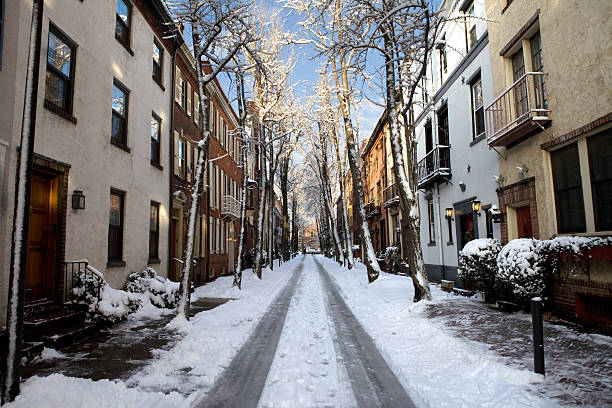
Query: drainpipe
x=21 y=219
x=171 y=164
x=441 y=246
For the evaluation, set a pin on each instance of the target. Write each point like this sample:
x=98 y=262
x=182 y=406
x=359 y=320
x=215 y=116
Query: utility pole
x=21 y=219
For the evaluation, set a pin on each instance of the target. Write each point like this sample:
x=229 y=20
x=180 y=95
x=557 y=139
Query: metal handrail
x=435 y=162
x=516 y=104
x=230 y=206
x=72 y=270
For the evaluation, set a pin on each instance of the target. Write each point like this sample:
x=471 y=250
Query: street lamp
x=449 y=213
x=476 y=206
x=78 y=200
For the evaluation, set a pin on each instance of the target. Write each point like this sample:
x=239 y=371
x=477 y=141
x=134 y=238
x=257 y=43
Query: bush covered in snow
x=392 y=260
x=162 y=292
x=115 y=305
x=478 y=263
x=520 y=270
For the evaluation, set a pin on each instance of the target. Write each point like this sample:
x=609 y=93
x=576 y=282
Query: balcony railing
x=518 y=111
x=391 y=196
x=372 y=208
x=230 y=208
x=434 y=166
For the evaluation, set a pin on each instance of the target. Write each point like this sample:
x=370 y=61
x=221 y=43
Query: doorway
x=523 y=222
x=176 y=244
x=42 y=238
x=466 y=230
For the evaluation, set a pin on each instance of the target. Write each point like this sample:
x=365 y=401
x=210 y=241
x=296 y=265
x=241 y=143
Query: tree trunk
x=285 y=213
x=257 y=264
x=406 y=187
x=244 y=191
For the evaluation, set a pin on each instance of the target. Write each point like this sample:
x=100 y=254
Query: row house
x=100 y=176
x=456 y=171
x=551 y=123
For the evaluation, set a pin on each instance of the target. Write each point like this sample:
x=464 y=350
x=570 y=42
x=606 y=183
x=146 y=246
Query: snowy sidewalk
x=578 y=365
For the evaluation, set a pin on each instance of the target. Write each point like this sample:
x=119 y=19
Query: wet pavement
x=578 y=365
x=119 y=352
x=372 y=381
x=242 y=383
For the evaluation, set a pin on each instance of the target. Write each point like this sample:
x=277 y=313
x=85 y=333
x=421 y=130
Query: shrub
x=521 y=271
x=478 y=263
x=162 y=292
x=392 y=260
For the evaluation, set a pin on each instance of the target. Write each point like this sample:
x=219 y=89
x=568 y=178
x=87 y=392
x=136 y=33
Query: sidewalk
x=117 y=353
x=578 y=365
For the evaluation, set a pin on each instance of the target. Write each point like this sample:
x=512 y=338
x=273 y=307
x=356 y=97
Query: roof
x=379 y=125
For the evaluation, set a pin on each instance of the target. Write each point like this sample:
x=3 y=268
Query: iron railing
x=435 y=164
x=524 y=100
x=372 y=208
x=390 y=194
x=78 y=273
x=230 y=207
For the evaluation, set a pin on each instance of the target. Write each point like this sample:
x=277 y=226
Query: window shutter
x=177 y=85
x=188 y=99
x=188 y=162
x=194 y=161
x=196 y=243
x=196 y=108
x=176 y=154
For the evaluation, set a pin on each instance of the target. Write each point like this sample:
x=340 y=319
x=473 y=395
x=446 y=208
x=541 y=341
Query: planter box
x=447 y=285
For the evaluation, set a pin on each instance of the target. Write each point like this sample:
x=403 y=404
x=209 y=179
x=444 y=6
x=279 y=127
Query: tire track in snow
x=373 y=382
x=241 y=384
x=305 y=372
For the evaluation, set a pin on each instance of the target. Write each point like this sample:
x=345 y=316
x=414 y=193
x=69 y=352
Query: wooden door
x=40 y=274
x=523 y=222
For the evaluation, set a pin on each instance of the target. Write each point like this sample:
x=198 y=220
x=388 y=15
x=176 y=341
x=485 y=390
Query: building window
x=489 y=222
x=478 y=126
x=537 y=65
x=443 y=61
x=600 y=159
x=469 y=26
x=155 y=139
x=123 y=22
x=158 y=61
x=432 y=222
x=568 y=189
x=1 y=30
x=59 y=84
x=115 y=226
x=120 y=114
x=154 y=231
x=182 y=156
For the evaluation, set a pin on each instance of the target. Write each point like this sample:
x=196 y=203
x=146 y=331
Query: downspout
x=171 y=163
x=441 y=246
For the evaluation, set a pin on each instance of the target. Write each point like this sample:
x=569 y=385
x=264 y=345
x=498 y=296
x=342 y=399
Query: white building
x=104 y=100
x=456 y=168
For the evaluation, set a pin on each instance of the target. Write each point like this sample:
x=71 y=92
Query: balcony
x=391 y=196
x=372 y=209
x=435 y=166
x=230 y=208
x=518 y=111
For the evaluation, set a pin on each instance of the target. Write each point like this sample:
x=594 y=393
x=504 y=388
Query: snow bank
x=212 y=338
x=57 y=390
x=437 y=369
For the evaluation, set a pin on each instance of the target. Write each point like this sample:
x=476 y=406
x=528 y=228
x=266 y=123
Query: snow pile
x=144 y=289
x=436 y=368
x=520 y=270
x=478 y=263
x=57 y=390
x=162 y=292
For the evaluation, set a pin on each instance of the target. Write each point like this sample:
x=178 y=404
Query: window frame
x=431 y=222
x=121 y=143
x=1 y=30
x=112 y=260
x=159 y=80
x=154 y=234
x=557 y=190
x=182 y=156
x=128 y=27
x=69 y=90
x=476 y=80
x=600 y=222
x=156 y=161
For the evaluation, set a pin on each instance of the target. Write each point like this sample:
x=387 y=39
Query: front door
x=467 y=228
x=230 y=248
x=523 y=222
x=42 y=237
x=176 y=250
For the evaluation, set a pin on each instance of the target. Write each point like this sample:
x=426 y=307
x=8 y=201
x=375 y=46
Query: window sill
x=59 y=111
x=120 y=145
x=115 y=264
x=159 y=83
x=154 y=261
x=478 y=139
x=127 y=47
x=157 y=165
x=431 y=244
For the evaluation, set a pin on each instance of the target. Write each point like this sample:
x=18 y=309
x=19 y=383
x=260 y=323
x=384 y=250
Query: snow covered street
x=309 y=334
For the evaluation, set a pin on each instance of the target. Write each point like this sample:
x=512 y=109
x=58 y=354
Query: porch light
x=476 y=206
x=78 y=200
x=449 y=213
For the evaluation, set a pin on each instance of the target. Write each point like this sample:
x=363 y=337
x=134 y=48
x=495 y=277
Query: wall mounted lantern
x=476 y=206
x=78 y=200
x=449 y=213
